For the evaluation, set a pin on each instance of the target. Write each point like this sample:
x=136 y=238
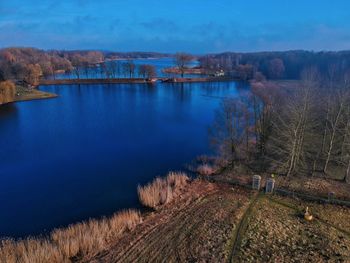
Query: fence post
x=270 y=185
x=256 y=182
x=331 y=196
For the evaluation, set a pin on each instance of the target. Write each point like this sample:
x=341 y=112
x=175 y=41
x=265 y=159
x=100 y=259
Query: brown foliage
x=33 y=74
x=7 y=91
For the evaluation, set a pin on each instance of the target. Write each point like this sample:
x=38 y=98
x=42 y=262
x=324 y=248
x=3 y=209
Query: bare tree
x=276 y=68
x=129 y=68
x=228 y=133
x=77 y=63
x=345 y=147
x=142 y=71
x=33 y=75
x=292 y=129
x=334 y=122
x=182 y=61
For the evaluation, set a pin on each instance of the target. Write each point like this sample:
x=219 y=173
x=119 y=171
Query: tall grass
x=90 y=237
x=162 y=190
x=68 y=244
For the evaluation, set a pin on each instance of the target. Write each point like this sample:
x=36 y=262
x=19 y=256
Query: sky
x=196 y=26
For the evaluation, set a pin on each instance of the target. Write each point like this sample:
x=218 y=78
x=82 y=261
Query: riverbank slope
x=208 y=222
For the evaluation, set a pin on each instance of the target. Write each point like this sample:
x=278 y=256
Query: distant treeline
x=29 y=64
x=278 y=65
x=134 y=55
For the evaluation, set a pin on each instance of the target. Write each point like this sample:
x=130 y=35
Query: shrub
x=206 y=169
x=75 y=241
x=162 y=190
x=7 y=91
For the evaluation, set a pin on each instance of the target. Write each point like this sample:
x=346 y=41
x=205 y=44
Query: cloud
x=160 y=24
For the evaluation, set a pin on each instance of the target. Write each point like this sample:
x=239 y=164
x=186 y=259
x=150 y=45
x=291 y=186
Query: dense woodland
x=26 y=66
x=278 y=65
x=299 y=129
x=29 y=64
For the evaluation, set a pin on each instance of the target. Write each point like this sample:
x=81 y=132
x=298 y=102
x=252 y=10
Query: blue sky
x=167 y=26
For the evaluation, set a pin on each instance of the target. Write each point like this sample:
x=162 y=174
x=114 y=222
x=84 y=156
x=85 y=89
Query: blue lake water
x=83 y=154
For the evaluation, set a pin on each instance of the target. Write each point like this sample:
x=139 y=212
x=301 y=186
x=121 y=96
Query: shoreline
x=132 y=80
x=34 y=94
x=125 y=228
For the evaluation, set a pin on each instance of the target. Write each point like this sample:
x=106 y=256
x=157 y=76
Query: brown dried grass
x=162 y=190
x=73 y=242
x=206 y=169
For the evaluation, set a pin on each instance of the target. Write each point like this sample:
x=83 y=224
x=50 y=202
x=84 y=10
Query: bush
x=75 y=241
x=7 y=91
x=162 y=190
x=206 y=169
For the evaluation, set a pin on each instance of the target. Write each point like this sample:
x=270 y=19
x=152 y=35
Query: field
x=220 y=223
x=198 y=228
x=277 y=232
x=205 y=222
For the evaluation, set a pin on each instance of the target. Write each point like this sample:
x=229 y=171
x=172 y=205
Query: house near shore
x=220 y=73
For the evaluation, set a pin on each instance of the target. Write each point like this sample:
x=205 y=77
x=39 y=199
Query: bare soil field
x=277 y=232
x=218 y=223
x=197 y=228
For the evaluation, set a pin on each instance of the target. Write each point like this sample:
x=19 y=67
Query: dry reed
x=68 y=244
x=162 y=190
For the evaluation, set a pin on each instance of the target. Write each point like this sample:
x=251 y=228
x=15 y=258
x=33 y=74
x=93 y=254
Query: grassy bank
x=197 y=221
x=24 y=94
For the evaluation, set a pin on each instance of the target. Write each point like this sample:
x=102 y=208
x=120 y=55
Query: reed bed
x=162 y=190
x=71 y=243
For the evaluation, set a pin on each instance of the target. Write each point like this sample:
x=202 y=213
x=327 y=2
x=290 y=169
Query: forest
x=278 y=65
x=302 y=128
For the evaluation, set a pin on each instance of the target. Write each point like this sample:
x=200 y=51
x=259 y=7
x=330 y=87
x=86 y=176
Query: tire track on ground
x=149 y=239
x=170 y=230
x=241 y=228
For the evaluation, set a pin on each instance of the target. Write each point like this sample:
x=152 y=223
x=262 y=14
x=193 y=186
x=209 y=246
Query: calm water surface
x=83 y=154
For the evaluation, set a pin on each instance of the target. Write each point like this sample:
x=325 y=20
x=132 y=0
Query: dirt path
x=238 y=233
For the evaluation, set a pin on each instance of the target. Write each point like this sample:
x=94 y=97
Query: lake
x=83 y=154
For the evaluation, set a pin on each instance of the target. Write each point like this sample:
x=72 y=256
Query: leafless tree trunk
x=337 y=106
x=228 y=133
x=182 y=60
x=292 y=128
